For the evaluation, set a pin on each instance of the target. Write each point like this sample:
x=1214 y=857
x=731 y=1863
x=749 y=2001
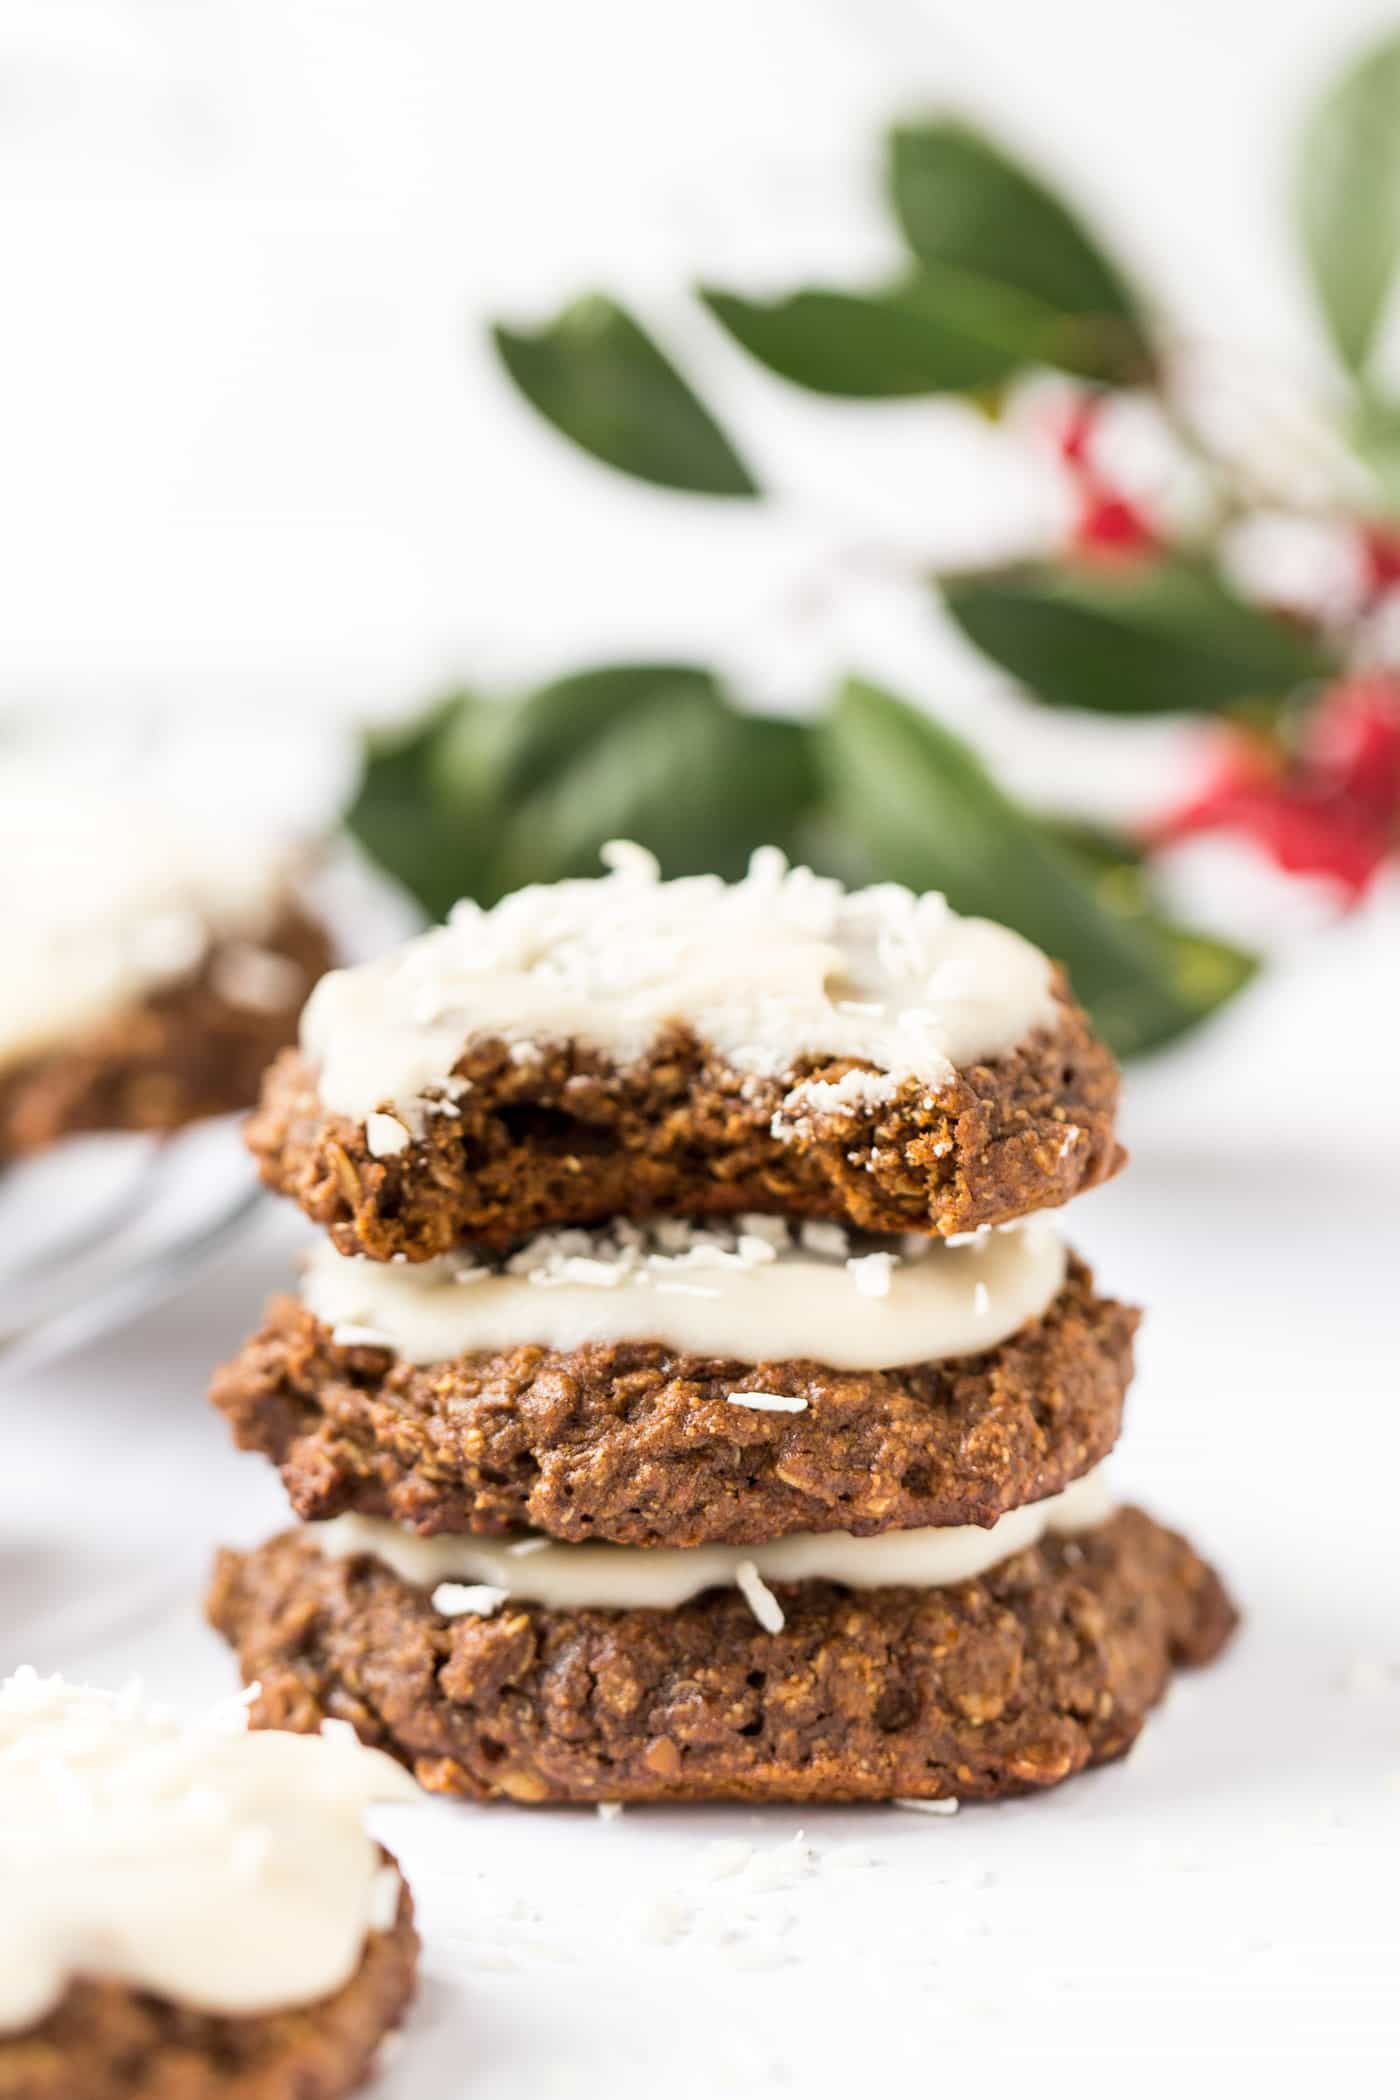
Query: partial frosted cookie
x=628 y=1046
x=196 y=1910
x=1009 y=1679
x=152 y=966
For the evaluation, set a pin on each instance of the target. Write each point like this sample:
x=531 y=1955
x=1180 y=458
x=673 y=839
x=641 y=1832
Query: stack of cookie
x=691 y=1399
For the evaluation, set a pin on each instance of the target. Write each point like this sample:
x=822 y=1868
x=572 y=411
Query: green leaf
x=1348 y=199
x=555 y=725
x=480 y=796
x=1145 y=638
x=1375 y=438
x=927 y=814
x=678 y=770
x=927 y=335
x=598 y=377
x=429 y=824
x=963 y=204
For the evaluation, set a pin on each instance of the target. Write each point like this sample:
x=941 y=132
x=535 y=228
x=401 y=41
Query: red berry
x=1380 y=554
x=1077 y=430
x=1302 y=832
x=1351 y=743
x=1110 y=525
x=1307 y=823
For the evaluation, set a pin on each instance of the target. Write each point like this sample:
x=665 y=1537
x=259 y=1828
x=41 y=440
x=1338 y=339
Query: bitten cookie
x=635 y=1047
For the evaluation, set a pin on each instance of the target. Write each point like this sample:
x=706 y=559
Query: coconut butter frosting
x=760 y=1291
x=782 y=965
x=223 y=1869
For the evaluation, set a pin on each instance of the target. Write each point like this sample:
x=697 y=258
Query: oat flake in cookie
x=627 y=1046
x=191 y=1909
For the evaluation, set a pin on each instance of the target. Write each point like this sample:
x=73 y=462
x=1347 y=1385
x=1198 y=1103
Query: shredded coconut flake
x=871 y=1274
x=348 y=1334
x=770 y=1403
x=948 y=1806
x=852 y=1093
x=385 y=1135
x=456 y=1600
x=625 y=857
x=759 y=1598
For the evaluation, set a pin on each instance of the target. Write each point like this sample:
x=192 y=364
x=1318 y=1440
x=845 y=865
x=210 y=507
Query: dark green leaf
x=1205 y=970
x=1144 y=638
x=679 y=771
x=1114 y=867
x=927 y=814
x=600 y=379
x=556 y=724
x=964 y=205
x=930 y=335
x=1349 y=199
x=430 y=829
x=481 y=796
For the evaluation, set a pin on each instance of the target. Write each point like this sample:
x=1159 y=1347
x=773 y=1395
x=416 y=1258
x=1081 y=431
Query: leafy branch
x=482 y=795
x=1001 y=279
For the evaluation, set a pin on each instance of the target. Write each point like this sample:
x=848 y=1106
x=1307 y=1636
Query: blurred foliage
x=1001 y=278
x=1140 y=638
x=1349 y=201
x=483 y=795
x=600 y=379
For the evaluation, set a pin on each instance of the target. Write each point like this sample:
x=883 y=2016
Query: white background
x=254 y=446
x=254 y=458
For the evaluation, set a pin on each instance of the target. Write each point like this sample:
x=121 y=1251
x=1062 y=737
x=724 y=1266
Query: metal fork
x=97 y=1229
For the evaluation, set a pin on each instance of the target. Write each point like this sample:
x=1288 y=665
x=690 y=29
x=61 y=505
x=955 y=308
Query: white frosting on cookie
x=783 y=965
x=532 y=1570
x=108 y=897
x=223 y=1869
x=756 y=1292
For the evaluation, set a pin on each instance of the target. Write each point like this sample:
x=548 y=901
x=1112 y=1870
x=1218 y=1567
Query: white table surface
x=1223 y=1898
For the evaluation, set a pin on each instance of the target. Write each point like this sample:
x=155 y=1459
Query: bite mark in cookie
x=630 y=1047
